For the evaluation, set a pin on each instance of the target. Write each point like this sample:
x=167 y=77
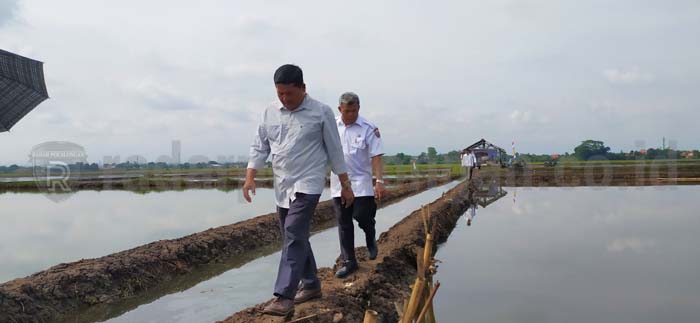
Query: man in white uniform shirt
x=362 y=147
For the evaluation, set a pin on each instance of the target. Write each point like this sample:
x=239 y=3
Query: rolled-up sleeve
x=331 y=141
x=260 y=148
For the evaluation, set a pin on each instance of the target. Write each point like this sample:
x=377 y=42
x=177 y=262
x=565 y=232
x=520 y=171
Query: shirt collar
x=357 y=122
x=301 y=106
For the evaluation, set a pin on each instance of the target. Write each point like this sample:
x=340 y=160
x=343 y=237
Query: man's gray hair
x=349 y=98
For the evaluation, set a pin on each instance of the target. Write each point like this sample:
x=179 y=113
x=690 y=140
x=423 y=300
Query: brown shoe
x=304 y=295
x=280 y=307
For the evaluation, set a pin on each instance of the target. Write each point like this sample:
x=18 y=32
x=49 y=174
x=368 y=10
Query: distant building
x=688 y=154
x=643 y=151
x=175 y=152
x=487 y=152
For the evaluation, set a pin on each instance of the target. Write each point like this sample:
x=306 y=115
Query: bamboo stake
x=430 y=316
x=413 y=302
x=405 y=307
x=420 y=266
x=428 y=253
x=399 y=309
x=425 y=219
x=428 y=303
x=371 y=316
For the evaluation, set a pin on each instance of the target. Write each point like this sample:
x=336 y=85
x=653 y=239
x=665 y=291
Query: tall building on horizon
x=176 y=152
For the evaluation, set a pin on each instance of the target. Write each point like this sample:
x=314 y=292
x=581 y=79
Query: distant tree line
x=587 y=150
x=9 y=169
x=430 y=156
x=596 y=149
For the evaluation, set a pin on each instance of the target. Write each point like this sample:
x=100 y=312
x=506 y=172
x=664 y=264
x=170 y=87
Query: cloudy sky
x=128 y=77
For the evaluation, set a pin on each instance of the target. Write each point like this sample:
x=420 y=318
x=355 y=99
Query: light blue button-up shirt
x=302 y=142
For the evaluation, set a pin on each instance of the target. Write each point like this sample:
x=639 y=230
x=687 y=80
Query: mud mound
x=381 y=282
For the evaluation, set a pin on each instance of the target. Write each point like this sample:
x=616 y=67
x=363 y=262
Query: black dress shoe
x=349 y=268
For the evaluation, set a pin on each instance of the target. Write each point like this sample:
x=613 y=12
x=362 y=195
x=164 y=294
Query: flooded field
x=37 y=233
x=584 y=254
x=575 y=255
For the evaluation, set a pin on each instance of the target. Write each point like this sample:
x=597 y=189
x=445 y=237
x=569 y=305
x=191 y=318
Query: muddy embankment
x=50 y=295
x=380 y=282
x=596 y=175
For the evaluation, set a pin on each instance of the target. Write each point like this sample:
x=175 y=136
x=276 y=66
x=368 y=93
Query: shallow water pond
x=575 y=255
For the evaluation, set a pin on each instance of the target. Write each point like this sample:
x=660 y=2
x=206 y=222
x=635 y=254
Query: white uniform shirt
x=302 y=142
x=360 y=143
x=469 y=160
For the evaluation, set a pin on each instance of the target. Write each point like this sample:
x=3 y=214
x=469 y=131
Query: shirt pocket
x=304 y=131
x=357 y=144
x=274 y=133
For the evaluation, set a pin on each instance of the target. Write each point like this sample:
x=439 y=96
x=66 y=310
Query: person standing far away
x=363 y=150
x=472 y=163
x=300 y=136
x=469 y=161
x=463 y=160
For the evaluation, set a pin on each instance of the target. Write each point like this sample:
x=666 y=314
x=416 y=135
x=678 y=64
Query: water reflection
x=575 y=255
x=484 y=195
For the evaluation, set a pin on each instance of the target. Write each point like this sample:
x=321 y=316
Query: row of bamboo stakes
x=419 y=307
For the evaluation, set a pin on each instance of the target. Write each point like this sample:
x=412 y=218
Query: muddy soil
x=67 y=288
x=380 y=282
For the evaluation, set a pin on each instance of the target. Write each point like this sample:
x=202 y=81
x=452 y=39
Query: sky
x=126 y=78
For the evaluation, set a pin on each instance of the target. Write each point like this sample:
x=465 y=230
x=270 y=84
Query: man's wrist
x=346 y=184
x=379 y=180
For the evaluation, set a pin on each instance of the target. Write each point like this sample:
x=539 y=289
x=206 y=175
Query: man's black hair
x=289 y=74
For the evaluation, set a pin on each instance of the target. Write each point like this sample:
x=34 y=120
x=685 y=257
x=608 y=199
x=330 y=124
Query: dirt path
x=66 y=288
x=380 y=282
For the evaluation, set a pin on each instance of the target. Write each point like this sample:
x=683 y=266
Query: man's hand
x=347 y=196
x=249 y=184
x=379 y=190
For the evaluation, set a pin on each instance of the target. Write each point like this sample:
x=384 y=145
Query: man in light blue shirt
x=301 y=137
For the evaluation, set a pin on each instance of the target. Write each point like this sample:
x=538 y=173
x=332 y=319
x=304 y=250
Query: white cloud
x=520 y=117
x=631 y=76
x=632 y=244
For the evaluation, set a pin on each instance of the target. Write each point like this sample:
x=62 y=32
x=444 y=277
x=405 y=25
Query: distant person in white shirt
x=362 y=146
x=469 y=161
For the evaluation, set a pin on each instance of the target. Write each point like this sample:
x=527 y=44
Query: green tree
x=589 y=148
x=432 y=154
x=422 y=159
x=452 y=157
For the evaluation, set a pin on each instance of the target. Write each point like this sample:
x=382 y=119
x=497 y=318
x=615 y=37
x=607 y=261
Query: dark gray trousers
x=363 y=210
x=297 y=262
